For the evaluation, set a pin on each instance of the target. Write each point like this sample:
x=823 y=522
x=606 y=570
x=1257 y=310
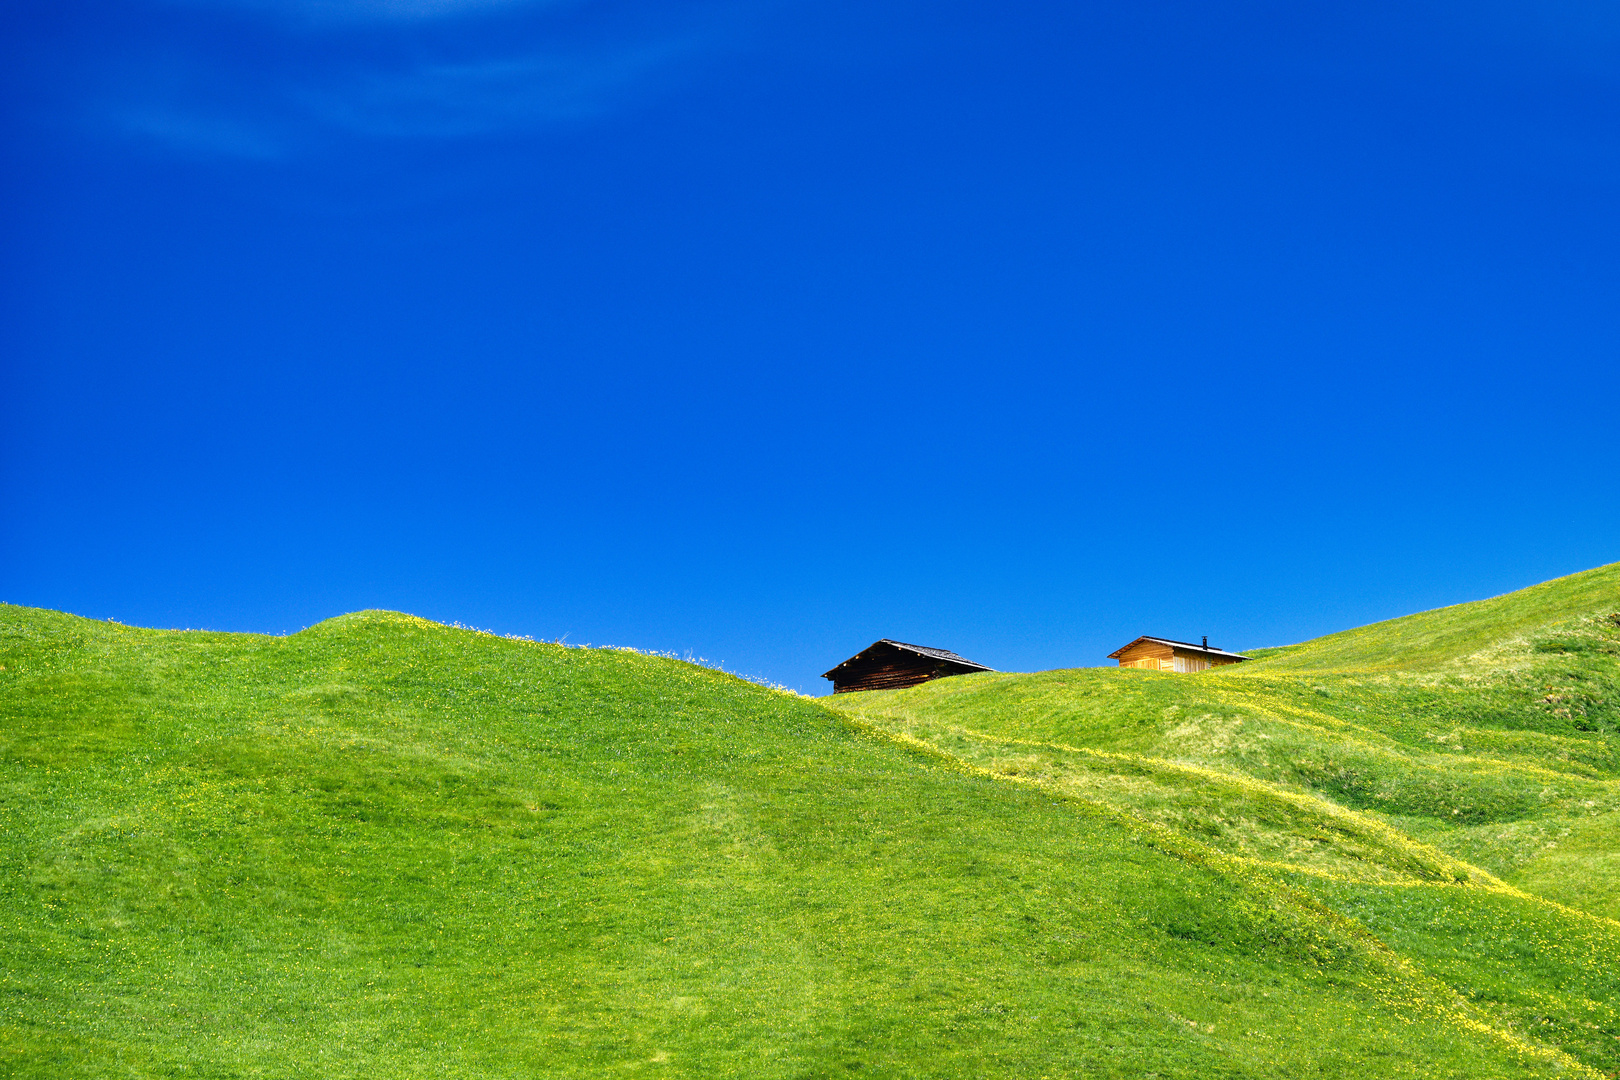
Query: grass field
x=383 y=847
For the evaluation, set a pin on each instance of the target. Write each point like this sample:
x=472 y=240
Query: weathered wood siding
x=891 y=676
x=891 y=665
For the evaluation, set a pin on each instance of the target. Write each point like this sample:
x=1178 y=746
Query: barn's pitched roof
x=1185 y=645
x=921 y=650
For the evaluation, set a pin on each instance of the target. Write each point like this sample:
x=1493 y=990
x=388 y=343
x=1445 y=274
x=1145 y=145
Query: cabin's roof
x=1186 y=645
x=920 y=650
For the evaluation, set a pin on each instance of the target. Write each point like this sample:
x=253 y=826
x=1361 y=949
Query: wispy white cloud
x=449 y=100
x=248 y=86
x=208 y=136
x=407 y=9
x=389 y=10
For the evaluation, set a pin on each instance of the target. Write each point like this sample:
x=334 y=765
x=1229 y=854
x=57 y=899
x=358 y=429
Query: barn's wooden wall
x=890 y=676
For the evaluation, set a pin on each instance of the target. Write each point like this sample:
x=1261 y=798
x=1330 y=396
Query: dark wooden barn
x=889 y=665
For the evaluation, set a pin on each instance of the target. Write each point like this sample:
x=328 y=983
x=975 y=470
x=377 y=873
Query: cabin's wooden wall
x=1148 y=654
x=1155 y=657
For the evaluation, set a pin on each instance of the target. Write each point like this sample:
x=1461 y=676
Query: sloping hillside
x=383 y=847
x=1449 y=782
x=1432 y=638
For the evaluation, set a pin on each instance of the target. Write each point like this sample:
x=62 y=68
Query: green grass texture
x=383 y=847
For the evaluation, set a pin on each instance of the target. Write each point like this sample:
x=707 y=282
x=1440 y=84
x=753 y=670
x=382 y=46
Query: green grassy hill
x=1481 y=630
x=1449 y=782
x=386 y=848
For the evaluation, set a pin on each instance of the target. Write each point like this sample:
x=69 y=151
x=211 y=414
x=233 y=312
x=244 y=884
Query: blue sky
x=758 y=331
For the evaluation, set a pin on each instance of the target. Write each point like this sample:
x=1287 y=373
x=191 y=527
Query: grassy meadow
x=384 y=847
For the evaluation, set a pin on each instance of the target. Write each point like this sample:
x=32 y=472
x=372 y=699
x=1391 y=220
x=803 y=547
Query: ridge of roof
x=921 y=650
x=938 y=654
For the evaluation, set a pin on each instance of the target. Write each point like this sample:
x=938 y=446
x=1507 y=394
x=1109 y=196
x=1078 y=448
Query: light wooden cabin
x=1182 y=657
